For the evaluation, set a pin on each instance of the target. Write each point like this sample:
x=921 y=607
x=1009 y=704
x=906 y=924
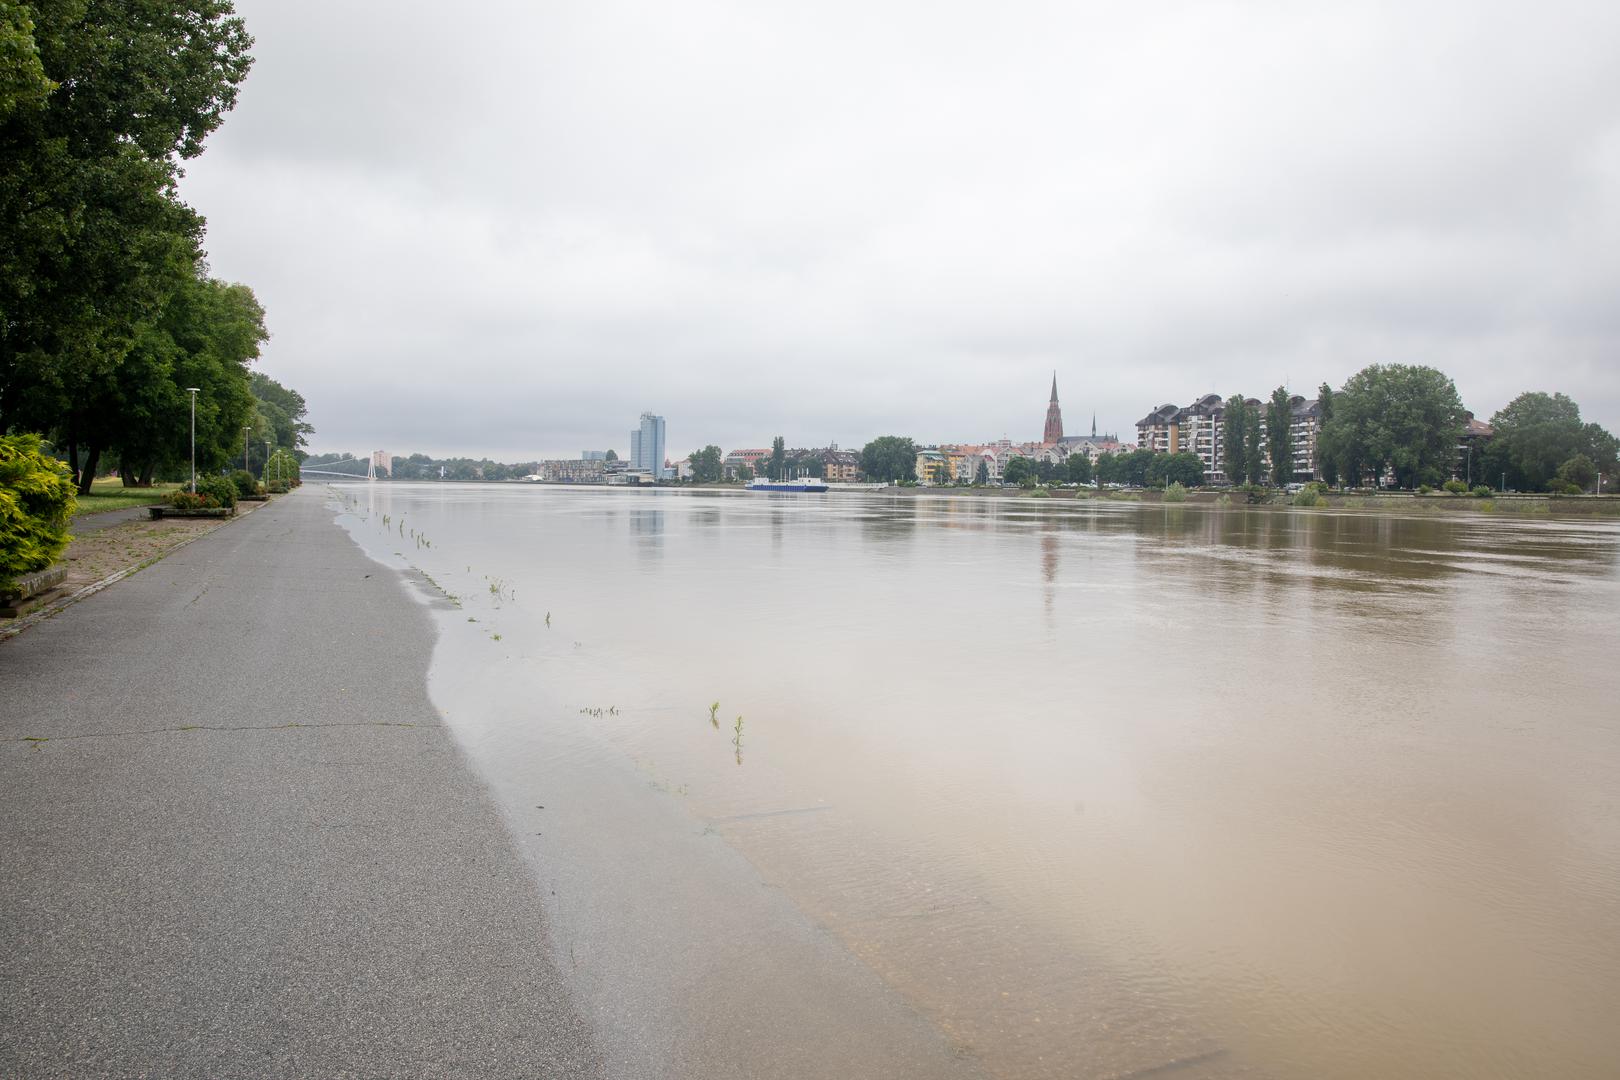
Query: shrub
x=1307 y=497
x=1557 y=486
x=246 y=486
x=36 y=502
x=185 y=500
x=278 y=487
x=1425 y=489
x=1481 y=491
x=1040 y=493
x=1176 y=492
x=1456 y=487
x=220 y=489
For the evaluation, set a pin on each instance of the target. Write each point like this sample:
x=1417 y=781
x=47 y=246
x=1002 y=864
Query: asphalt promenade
x=236 y=840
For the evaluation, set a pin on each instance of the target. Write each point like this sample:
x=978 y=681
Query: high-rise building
x=647 y=447
x=1054 y=417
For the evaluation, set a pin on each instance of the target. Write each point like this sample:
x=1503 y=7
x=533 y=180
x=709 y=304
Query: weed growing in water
x=548 y=620
x=714 y=716
x=736 y=738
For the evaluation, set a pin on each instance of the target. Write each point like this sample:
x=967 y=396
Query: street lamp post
x=267 y=465
x=244 y=448
x=193 y=390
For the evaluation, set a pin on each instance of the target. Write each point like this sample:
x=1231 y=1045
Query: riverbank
x=240 y=842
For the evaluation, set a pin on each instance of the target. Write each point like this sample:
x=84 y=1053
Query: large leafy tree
x=1018 y=470
x=889 y=458
x=776 y=464
x=93 y=239
x=206 y=336
x=1185 y=468
x=1078 y=467
x=1400 y=417
x=1536 y=434
x=1279 y=444
x=706 y=464
x=282 y=411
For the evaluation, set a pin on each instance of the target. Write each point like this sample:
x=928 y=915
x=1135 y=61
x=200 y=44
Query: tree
x=1018 y=470
x=706 y=465
x=982 y=476
x=1254 y=435
x=612 y=455
x=1184 y=468
x=1324 y=462
x=1235 y=438
x=1079 y=468
x=283 y=411
x=1279 y=440
x=1107 y=469
x=889 y=459
x=1398 y=417
x=776 y=464
x=1536 y=434
x=1579 y=471
x=93 y=239
x=745 y=473
x=206 y=336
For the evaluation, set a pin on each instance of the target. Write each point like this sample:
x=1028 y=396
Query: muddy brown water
x=1096 y=790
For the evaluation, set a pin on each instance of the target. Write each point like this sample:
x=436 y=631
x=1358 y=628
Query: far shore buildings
x=1200 y=428
x=647 y=448
x=960 y=462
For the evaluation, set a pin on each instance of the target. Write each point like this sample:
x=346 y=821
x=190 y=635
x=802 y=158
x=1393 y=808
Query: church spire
x=1054 y=417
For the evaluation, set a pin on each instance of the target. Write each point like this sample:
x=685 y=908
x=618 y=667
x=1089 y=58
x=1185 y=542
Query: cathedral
x=1065 y=445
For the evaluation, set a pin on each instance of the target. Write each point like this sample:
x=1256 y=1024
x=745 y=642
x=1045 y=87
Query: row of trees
x=1540 y=443
x=1406 y=421
x=107 y=309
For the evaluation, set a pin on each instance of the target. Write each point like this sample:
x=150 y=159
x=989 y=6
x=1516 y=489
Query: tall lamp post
x=244 y=448
x=193 y=390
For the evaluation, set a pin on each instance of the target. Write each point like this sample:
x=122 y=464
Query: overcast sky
x=507 y=229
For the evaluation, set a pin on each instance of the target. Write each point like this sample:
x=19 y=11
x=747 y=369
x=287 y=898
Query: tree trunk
x=146 y=475
x=88 y=476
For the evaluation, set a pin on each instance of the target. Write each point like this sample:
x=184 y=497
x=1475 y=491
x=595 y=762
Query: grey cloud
x=511 y=230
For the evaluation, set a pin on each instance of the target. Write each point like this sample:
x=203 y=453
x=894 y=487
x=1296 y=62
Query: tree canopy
x=706 y=465
x=889 y=459
x=1279 y=432
x=107 y=311
x=1397 y=417
x=1535 y=434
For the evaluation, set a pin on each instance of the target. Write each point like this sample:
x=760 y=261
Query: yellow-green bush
x=36 y=502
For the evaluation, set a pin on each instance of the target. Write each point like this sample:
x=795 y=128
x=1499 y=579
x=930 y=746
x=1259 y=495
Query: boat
x=808 y=483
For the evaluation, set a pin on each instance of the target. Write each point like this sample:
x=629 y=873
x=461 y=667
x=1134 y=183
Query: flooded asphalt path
x=236 y=840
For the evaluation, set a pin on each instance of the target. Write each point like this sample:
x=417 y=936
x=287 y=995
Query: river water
x=1091 y=789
